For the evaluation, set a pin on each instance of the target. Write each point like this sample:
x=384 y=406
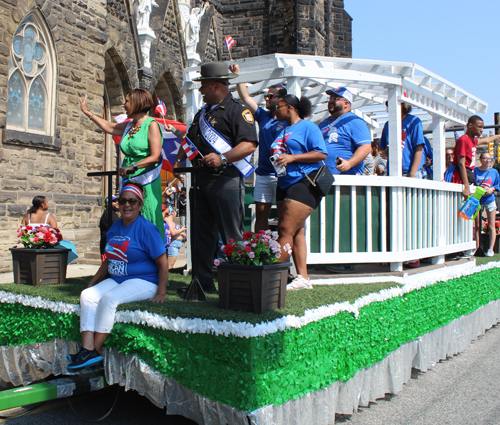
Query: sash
x=222 y=146
x=147 y=176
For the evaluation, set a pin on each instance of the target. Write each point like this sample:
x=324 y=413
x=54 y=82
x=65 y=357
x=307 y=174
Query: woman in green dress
x=141 y=148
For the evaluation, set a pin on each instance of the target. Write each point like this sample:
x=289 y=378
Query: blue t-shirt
x=268 y=128
x=131 y=250
x=302 y=137
x=487 y=179
x=343 y=136
x=412 y=135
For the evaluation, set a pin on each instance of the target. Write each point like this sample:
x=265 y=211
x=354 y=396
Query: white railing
x=387 y=220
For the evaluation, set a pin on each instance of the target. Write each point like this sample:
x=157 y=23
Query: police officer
x=224 y=133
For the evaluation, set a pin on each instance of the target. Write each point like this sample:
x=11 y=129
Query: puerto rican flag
x=189 y=148
x=117 y=250
x=171 y=144
x=161 y=109
x=229 y=42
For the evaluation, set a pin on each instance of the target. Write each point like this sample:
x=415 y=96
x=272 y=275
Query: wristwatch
x=223 y=159
x=135 y=167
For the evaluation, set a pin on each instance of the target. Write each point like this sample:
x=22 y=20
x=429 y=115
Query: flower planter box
x=485 y=242
x=39 y=266
x=252 y=288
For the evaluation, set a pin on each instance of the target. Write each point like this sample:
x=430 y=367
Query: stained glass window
x=30 y=91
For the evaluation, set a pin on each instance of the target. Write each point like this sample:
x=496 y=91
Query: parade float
x=305 y=363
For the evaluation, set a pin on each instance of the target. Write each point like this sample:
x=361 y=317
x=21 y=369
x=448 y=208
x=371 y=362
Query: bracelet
x=91 y=116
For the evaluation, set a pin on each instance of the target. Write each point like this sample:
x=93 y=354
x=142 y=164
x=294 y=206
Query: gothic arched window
x=31 y=88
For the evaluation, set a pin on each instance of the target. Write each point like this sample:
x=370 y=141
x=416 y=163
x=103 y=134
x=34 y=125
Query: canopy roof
x=368 y=80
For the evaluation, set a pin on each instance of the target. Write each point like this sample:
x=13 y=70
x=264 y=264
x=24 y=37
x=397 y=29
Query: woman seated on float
x=135 y=269
x=37 y=215
x=299 y=149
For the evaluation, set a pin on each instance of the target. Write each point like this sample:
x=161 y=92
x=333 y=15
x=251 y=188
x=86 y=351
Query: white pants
x=98 y=303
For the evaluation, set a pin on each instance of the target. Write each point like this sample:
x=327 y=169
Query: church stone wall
x=85 y=35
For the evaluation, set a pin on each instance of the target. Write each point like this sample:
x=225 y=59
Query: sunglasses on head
x=131 y=201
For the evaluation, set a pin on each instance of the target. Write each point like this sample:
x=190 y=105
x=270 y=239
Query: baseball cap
x=113 y=197
x=342 y=92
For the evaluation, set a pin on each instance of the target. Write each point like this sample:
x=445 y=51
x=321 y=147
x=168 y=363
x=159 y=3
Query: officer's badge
x=213 y=122
x=248 y=116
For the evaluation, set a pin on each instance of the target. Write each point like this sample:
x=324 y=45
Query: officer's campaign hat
x=214 y=71
x=342 y=92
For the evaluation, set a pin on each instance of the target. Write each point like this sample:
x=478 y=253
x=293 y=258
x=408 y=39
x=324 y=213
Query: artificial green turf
x=296 y=301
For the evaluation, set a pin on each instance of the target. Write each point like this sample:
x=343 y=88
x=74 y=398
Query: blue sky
x=456 y=39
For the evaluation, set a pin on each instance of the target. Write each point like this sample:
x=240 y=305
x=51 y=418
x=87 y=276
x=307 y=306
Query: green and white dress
x=135 y=149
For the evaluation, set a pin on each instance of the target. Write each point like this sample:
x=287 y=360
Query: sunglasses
x=131 y=201
x=280 y=106
x=270 y=96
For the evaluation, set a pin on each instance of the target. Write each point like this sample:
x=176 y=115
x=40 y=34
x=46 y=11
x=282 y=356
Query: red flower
x=59 y=237
x=29 y=228
x=47 y=237
x=247 y=235
x=240 y=251
x=248 y=249
x=262 y=232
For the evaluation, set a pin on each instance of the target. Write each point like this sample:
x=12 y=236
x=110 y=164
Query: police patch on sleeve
x=248 y=116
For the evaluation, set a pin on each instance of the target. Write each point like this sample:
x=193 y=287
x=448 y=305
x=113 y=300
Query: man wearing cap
x=264 y=193
x=103 y=223
x=224 y=133
x=346 y=135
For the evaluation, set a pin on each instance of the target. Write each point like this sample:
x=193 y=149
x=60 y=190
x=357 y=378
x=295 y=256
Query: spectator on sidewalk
x=487 y=178
x=104 y=225
x=177 y=234
x=37 y=215
x=182 y=202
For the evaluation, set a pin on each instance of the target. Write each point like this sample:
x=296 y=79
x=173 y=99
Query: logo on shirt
x=116 y=253
x=247 y=116
x=331 y=130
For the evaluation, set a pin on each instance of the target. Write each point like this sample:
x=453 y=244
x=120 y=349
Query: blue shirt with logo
x=302 y=137
x=343 y=136
x=412 y=135
x=131 y=250
x=487 y=179
x=268 y=128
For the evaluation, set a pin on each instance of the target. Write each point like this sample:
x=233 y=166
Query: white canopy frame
x=435 y=100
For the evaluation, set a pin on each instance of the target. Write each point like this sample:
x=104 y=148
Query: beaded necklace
x=134 y=129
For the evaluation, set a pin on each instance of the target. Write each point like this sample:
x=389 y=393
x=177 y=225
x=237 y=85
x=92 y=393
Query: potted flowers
x=250 y=278
x=40 y=262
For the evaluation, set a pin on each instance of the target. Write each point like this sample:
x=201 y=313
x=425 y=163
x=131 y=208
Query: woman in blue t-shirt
x=135 y=269
x=487 y=178
x=299 y=148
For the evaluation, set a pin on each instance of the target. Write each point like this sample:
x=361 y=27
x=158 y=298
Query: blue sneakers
x=84 y=358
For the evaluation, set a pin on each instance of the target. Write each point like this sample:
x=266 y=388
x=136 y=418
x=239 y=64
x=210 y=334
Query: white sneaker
x=490 y=253
x=299 y=283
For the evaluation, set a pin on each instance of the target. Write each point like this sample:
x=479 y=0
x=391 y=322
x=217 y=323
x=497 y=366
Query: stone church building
x=53 y=52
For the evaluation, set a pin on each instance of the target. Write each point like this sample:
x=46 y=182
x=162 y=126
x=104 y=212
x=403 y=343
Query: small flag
x=161 y=109
x=456 y=136
x=229 y=42
x=189 y=148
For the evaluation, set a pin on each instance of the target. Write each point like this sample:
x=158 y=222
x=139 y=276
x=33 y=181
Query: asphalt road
x=461 y=390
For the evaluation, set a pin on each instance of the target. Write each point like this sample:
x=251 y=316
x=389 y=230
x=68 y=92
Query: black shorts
x=302 y=192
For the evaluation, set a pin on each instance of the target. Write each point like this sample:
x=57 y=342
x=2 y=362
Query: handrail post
x=438 y=163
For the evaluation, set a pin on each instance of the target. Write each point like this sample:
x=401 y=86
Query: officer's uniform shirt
x=232 y=120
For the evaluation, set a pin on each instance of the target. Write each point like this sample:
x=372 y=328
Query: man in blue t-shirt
x=428 y=154
x=412 y=142
x=264 y=193
x=347 y=138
